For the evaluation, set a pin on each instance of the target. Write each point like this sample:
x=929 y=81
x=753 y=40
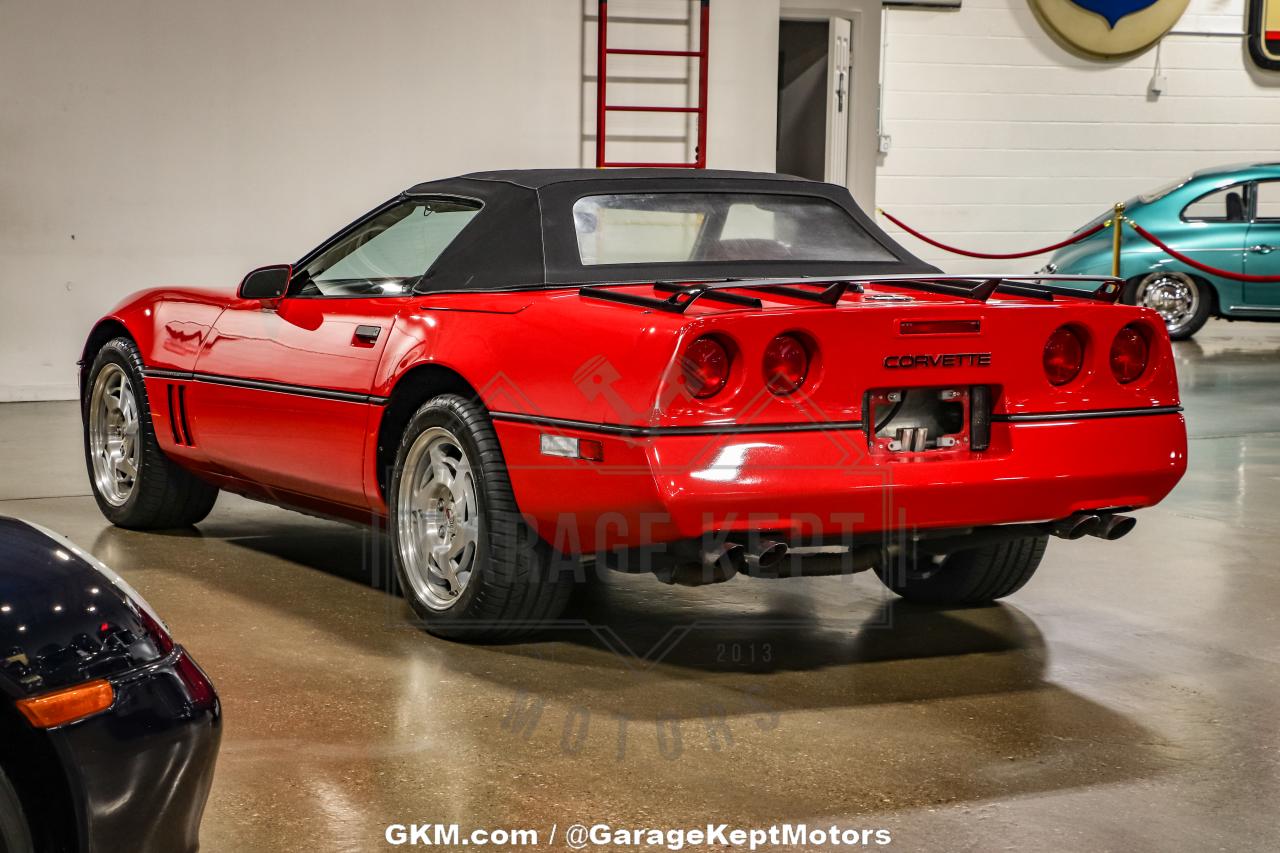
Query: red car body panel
x=805 y=484
x=319 y=454
x=284 y=402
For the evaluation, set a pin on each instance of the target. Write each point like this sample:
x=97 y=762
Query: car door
x=282 y=390
x=1262 y=247
x=1216 y=227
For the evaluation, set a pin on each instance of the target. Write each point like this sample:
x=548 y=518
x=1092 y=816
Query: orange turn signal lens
x=67 y=706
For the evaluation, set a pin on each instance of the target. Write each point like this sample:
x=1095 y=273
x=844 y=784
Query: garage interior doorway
x=814 y=58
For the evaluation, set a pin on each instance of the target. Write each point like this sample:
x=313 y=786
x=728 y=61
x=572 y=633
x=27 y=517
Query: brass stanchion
x=1116 y=222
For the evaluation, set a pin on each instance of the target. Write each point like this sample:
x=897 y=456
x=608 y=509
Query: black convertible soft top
x=524 y=234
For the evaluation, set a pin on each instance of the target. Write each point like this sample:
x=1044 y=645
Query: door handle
x=1262 y=249
x=367 y=334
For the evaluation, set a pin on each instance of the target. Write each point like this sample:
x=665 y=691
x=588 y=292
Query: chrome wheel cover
x=438 y=519
x=114 y=447
x=1172 y=295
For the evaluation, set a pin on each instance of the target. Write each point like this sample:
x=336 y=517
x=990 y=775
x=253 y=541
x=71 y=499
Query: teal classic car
x=1227 y=218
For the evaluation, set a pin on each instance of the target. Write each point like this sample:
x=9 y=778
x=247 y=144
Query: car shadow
x=758 y=644
x=753 y=637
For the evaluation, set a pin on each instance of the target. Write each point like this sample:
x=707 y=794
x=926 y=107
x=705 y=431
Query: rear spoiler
x=980 y=288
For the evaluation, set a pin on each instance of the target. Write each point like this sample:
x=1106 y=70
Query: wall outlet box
x=885 y=141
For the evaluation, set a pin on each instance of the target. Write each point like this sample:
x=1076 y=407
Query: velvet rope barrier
x=1074 y=238
x=1192 y=262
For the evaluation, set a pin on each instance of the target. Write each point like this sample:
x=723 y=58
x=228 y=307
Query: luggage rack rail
x=979 y=288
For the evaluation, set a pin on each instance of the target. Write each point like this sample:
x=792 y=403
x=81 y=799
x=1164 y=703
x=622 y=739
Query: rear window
x=1161 y=192
x=665 y=228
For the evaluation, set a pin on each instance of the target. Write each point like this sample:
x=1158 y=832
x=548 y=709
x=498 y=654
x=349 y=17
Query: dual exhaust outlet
x=759 y=558
x=691 y=563
x=1105 y=525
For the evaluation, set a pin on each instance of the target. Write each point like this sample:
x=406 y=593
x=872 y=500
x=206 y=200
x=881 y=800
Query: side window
x=1267 y=204
x=386 y=255
x=644 y=232
x=1224 y=205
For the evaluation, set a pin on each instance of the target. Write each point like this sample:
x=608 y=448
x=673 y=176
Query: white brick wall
x=1003 y=140
x=193 y=159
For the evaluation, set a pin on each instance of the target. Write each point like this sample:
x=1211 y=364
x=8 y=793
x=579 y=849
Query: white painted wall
x=185 y=142
x=1003 y=140
x=146 y=142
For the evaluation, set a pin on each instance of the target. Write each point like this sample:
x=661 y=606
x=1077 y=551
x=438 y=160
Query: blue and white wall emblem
x=1110 y=27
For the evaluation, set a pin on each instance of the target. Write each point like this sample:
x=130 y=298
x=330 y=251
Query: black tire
x=15 y=833
x=970 y=577
x=516 y=586
x=163 y=495
x=1206 y=306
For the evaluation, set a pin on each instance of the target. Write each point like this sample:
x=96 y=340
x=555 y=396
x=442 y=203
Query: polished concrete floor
x=1125 y=700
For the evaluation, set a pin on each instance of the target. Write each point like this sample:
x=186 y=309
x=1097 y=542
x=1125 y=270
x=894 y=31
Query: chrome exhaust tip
x=766 y=557
x=1113 y=527
x=1077 y=526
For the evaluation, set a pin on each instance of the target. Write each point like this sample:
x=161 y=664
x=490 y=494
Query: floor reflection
x=1135 y=678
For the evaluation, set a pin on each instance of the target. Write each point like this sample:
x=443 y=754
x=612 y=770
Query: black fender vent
x=177 y=395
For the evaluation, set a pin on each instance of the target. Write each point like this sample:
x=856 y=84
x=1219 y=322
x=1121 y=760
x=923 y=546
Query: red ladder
x=603 y=107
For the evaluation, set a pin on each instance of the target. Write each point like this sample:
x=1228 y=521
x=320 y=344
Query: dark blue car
x=108 y=729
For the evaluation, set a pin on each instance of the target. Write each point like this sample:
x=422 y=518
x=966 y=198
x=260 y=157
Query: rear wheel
x=134 y=483
x=469 y=565
x=15 y=833
x=1182 y=301
x=972 y=576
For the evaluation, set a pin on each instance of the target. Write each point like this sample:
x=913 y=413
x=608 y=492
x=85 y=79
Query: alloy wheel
x=113 y=435
x=437 y=517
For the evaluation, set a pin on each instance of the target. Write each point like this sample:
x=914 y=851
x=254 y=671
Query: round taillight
x=1063 y=356
x=706 y=367
x=786 y=364
x=1129 y=353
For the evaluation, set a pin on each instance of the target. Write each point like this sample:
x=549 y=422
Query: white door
x=838 y=70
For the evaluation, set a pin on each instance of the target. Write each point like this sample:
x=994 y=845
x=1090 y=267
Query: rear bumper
x=140 y=772
x=827 y=483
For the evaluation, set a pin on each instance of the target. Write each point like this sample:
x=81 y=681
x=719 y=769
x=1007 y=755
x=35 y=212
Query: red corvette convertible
x=696 y=374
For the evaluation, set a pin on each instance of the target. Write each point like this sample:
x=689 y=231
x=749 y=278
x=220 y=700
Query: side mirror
x=266 y=283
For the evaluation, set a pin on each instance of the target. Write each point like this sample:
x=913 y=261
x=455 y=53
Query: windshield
x=390 y=252
x=684 y=227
